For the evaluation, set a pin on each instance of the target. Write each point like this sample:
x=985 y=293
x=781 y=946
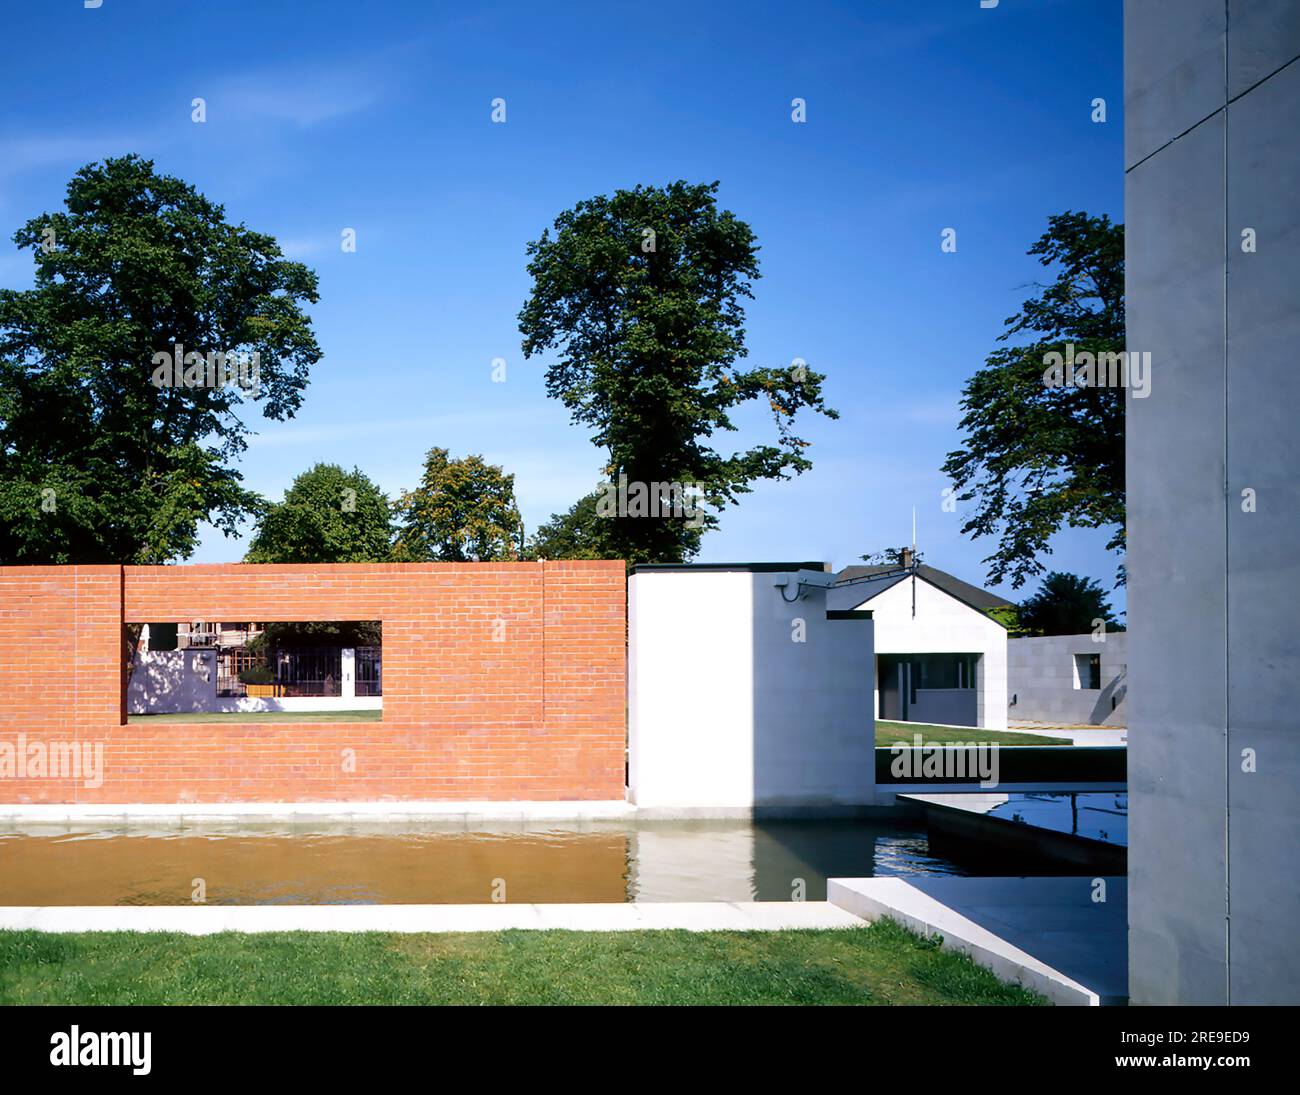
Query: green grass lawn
x=877 y=964
x=263 y=716
x=887 y=733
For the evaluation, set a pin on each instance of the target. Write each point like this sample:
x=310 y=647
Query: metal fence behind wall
x=369 y=671
x=310 y=671
x=303 y=671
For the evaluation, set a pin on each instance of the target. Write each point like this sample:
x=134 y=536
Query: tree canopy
x=586 y=531
x=99 y=463
x=640 y=296
x=463 y=510
x=1035 y=457
x=1065 y=604
x=578 y=533
x=328 y=516
x=276 y=635
x=903 y=556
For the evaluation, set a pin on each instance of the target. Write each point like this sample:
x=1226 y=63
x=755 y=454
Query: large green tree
x=98 y=462
x=277 y=635
x=577 y=533
x=587 y=531
x=328 y=516
x=1065 y=604
x=639 y=294
x=463 y=510
x=1036 y=457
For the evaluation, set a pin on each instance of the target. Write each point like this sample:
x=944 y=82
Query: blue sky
x=332 y=114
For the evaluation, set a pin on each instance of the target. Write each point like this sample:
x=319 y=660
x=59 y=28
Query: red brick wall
x=536 y=715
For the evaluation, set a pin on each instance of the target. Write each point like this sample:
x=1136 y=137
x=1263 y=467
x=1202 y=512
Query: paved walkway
x=1048 y=934
x=1078 y=735
x=635 y=916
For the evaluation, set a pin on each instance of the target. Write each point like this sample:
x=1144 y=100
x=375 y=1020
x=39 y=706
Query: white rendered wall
x=686 y=864
x=170 y=682
x=727 y=711
x=300 y=703
x=942 y=625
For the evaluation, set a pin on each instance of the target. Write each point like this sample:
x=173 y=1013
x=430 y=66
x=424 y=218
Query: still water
x=651 y=861
x=1095 y=815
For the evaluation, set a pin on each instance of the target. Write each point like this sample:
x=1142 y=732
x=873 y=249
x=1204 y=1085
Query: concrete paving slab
x=1078 y=735
x=1045 y=933
x=630 y=916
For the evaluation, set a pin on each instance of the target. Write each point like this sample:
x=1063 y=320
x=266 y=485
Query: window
x=944 y=670
x=240 y=669
x=1087 y=671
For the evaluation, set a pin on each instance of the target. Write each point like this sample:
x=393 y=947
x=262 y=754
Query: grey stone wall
x=1212 y=148
x=1041 y=680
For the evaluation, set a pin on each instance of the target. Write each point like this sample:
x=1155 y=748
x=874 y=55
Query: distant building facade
x=1069 y=680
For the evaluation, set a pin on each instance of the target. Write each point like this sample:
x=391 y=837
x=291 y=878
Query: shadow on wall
x=1049 y=678
x=1111 y=696
x=172 y=682
x=740 y=698
x=813 y=688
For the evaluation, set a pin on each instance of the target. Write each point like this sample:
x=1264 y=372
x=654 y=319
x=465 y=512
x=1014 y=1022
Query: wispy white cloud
x=302 y=102
x=302 y=97
x=306 y=96
x=940 y=412
x=306 y=247
x=18 y=154
x=284 y=437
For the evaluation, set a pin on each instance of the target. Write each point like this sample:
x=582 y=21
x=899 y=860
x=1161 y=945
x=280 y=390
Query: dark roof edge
x=751 y=568
x=969 y=604
x=974 y=595
x=947 y=592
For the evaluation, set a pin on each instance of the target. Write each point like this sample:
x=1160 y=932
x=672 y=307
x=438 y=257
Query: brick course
x=538 y=715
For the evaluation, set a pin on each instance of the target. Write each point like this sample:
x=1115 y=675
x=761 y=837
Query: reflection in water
x=764 y=861
x=1096 y=815
x=655 y=861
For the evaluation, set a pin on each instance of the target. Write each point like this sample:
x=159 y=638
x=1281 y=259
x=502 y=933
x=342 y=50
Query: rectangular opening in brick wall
x=498 y=682
x=237 y=670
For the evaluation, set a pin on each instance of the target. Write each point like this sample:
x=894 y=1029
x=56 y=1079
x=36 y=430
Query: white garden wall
x=739 y=699
x=172 y=681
